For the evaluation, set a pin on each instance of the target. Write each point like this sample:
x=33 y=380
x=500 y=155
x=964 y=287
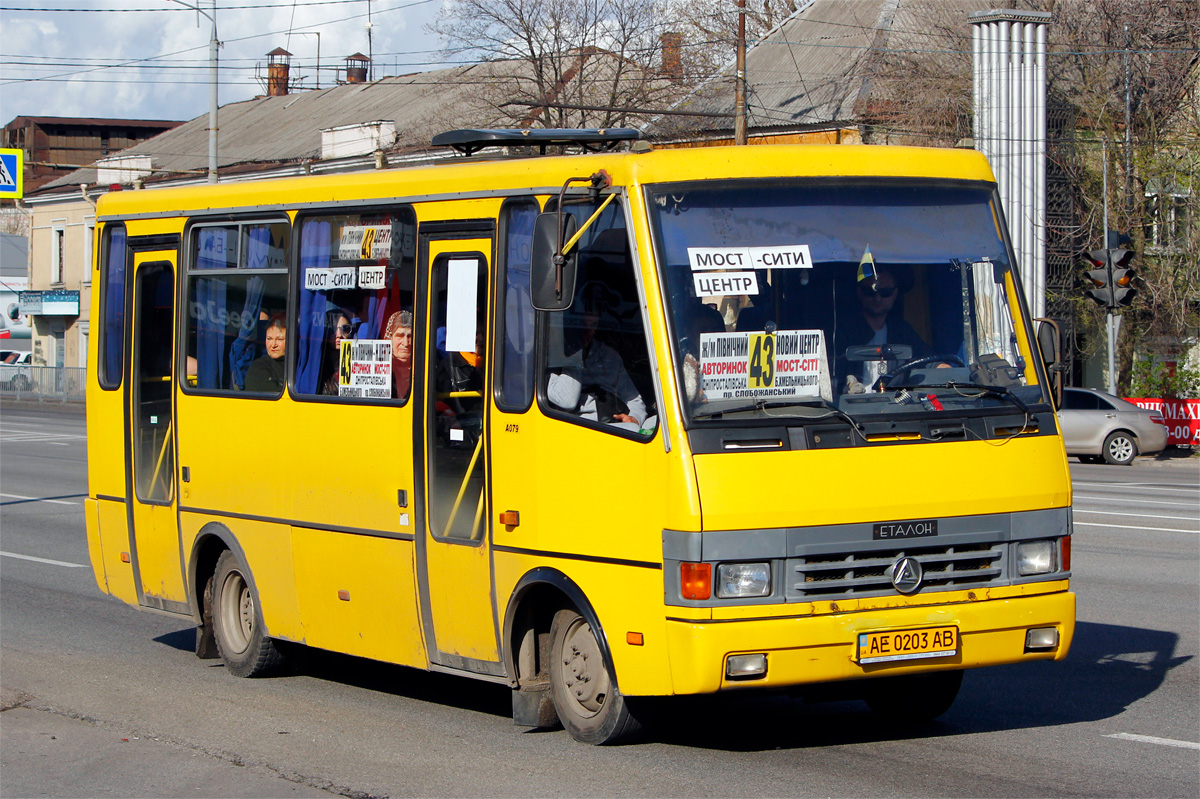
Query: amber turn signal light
x=695 y=580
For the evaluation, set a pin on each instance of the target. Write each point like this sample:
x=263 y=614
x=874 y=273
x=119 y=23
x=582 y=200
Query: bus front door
x=454 y=559
x=150 y=477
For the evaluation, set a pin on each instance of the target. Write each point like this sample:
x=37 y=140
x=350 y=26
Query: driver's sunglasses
x=872 y=291
x=345 y=330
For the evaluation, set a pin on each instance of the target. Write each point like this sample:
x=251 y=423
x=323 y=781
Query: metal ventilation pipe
x=1009 y=80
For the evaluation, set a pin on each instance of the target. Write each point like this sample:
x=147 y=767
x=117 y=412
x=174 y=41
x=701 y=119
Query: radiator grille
x=857 y=574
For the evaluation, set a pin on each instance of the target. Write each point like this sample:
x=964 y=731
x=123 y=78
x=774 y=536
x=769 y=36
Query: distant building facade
x=57 y=146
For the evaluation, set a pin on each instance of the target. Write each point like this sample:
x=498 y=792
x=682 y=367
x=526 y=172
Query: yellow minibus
x=599 y=427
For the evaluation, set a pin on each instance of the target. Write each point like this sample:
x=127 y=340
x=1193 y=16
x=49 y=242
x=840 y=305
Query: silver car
x=1098 y=427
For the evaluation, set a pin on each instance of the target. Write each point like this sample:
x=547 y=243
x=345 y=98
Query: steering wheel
x=919 y=362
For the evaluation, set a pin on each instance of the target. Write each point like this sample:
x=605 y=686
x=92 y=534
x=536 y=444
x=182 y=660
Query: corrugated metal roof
x=813 y=68
x=273 y=130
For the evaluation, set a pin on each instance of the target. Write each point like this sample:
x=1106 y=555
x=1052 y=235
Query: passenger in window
x=266 y=374
x=874 y=324
x=343 y=330
x=399 y=331
x=592 y=382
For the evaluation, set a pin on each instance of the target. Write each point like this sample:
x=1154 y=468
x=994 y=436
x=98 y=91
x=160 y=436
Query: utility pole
x=212 y=86
x=739 y=94
x=1128 y=143
x=1114 y=321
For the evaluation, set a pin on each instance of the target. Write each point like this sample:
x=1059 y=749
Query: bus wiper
x=832 y=411
x=997 y=391
x=835 y=412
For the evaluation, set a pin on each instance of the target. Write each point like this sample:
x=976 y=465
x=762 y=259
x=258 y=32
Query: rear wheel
x=1120 y=449
x=585 y=695
x=914 y=698
x=237 y=622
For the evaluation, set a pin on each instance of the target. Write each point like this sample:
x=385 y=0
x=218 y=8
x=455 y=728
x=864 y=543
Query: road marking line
x=1131 y=527
x=1154 y=486
x=44 y=560
x=39 y=499
x=1140 y=515
x=1150 y=739
x=1137 y=501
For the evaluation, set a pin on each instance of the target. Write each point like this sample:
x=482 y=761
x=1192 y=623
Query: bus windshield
x=795 y=300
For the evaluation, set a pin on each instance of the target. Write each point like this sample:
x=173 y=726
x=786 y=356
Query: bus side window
x=515 y=317
x=354 y=331
x=236 y=283
x=598 y=364
x=112 y=284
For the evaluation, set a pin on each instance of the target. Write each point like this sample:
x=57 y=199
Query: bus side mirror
x=1049 y=339
x=552 y=274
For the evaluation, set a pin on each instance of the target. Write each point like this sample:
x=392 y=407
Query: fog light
x=1040 y=639
x=1035 y=557
x=746 y=667
x=736 y=580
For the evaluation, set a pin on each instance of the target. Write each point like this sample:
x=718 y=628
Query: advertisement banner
x=1181 y=415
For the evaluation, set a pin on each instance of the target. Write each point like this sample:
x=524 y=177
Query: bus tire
x=237 y=622
x=585 y=694
x=914 y=698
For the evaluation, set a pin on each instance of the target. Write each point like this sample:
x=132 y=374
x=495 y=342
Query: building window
x=1167 y=219
x=58 y=236
x=89 y=238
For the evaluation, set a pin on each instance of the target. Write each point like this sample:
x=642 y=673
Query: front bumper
x=821 y=648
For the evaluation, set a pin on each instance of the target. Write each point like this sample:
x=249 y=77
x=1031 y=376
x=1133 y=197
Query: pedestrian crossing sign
x=11 y=183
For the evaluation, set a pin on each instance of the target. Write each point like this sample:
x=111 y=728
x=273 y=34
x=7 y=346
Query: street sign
x=11 y=174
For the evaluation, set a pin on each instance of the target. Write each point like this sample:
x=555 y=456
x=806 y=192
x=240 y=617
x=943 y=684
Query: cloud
x=154 y=64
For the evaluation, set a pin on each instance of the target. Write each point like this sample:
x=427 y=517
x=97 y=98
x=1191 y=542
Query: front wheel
x=914 y=698
x=1120 y=449
x=237 y=622
x=585 y=695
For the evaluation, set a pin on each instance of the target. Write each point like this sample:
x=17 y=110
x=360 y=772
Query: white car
x=1100 y=428
x=15 y=371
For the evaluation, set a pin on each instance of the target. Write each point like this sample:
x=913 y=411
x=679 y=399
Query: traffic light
x=1110 y=282
x=1100 y=289
x=1123 y=291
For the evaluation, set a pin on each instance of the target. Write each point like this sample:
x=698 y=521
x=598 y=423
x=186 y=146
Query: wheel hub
x=584 y=674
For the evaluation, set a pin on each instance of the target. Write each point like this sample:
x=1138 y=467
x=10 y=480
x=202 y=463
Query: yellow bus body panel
x=754 y=490
x=113 y=539
x=357 y=595
x=267 y=549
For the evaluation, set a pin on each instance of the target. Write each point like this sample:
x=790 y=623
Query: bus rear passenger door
x=454 y=558
x=150 y=479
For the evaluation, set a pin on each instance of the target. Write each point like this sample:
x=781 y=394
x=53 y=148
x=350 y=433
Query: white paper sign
x=795 y=256
x=372 y=277
x=787 y=363
x=365 y=242
x=462 y=280
x=720 y=284
x=365 y=369
x=339 y=277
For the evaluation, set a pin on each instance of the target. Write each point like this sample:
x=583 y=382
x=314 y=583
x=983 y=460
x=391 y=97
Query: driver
x=875 y=324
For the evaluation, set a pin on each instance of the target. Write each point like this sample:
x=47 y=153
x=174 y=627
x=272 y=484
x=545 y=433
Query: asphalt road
x=99 y=699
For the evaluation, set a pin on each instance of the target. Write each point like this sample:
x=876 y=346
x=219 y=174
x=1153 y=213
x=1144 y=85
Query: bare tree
x=573 y=63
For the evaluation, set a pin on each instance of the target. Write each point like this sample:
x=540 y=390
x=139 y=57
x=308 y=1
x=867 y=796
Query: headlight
x=1035 y=557
x=743 y=579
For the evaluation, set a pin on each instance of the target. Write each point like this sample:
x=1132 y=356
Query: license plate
x=930 y=642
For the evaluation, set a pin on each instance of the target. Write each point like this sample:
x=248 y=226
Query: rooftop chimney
x=278 y=66
x=672 y=59
x=356 y=68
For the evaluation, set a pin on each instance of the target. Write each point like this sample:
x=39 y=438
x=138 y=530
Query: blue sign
x=11 y=177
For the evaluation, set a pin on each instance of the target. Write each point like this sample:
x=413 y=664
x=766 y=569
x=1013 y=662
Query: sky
x=148 y=59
